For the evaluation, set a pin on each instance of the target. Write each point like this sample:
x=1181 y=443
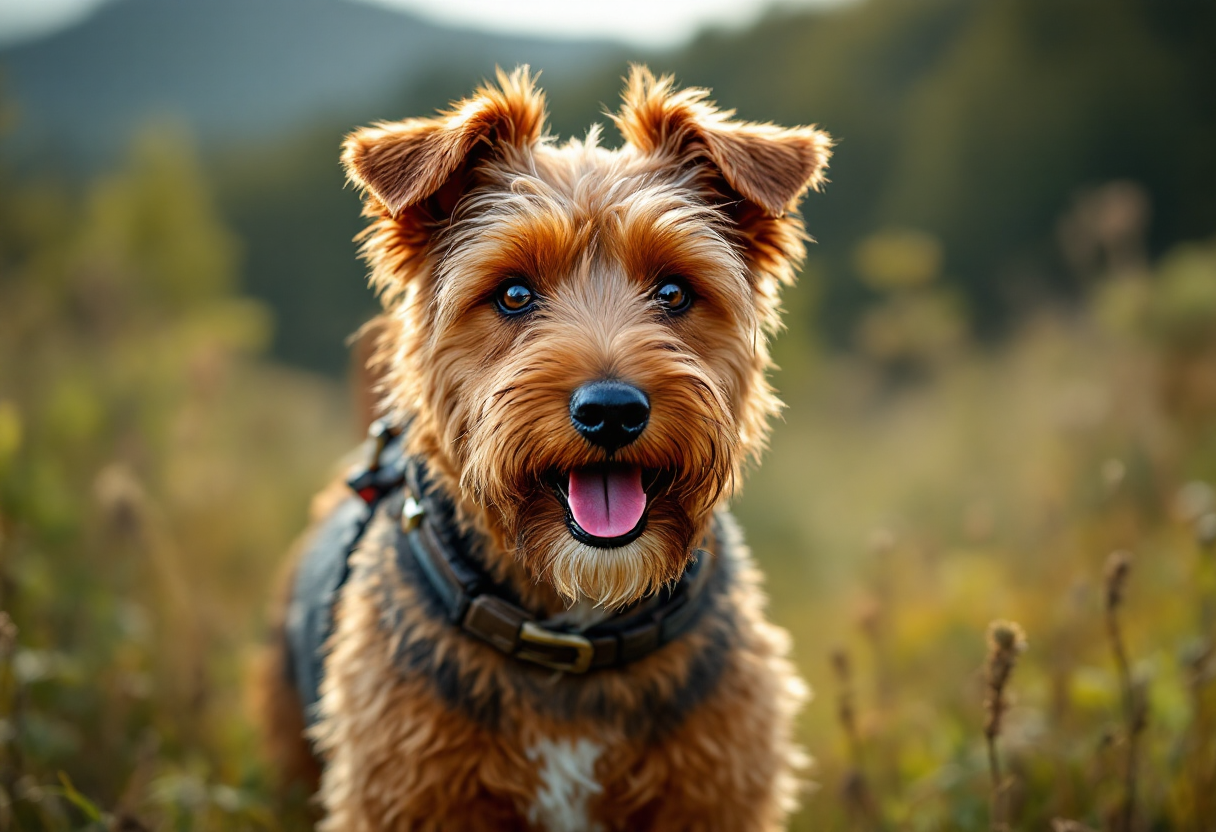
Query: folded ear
x=402 y=163
x=767 y=165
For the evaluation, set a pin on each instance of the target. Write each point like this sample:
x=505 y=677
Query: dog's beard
x=609 y=578
x=605 y=577
x=532 y=516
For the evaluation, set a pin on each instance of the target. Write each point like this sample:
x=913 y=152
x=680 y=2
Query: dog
x=527 y=608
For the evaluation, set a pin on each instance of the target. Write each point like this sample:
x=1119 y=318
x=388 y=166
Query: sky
x=643 y=22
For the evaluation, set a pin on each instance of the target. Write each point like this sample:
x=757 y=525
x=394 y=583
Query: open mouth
x=605 y=505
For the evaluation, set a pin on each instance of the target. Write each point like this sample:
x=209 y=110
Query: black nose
x=610 y=414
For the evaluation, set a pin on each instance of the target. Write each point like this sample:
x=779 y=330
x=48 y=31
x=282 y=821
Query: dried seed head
x=1006 y=636
x=1005 y=640
x=1118 y=565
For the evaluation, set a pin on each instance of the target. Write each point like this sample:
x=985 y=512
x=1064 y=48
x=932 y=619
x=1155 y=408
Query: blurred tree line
x=974 y=123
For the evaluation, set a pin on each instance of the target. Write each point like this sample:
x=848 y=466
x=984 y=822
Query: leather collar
x=487 y=611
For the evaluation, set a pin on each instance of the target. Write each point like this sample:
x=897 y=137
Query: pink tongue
x=607 y=502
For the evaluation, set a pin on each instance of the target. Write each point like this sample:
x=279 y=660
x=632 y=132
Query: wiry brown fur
x=457 y=204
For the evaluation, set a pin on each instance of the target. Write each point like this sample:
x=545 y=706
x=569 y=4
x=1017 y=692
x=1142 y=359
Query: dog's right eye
x=673 y=295
x=514 y=296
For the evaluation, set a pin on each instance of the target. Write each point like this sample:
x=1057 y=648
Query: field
x=155 y=464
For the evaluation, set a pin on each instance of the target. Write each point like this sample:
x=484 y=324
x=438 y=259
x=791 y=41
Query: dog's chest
x=566 y=784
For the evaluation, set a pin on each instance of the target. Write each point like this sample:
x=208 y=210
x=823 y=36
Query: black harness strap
x=319 y=577
x=324 y=567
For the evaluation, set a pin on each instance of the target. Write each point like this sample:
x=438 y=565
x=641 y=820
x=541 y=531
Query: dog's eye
x=673 y=295
x=514 y=296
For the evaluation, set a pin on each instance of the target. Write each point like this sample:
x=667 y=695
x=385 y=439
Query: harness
x=472 y=601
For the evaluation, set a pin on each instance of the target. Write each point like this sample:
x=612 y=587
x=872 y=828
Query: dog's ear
x=767 y=165
x=402 y=163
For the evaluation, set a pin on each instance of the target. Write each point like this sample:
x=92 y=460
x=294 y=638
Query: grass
x=899 y=512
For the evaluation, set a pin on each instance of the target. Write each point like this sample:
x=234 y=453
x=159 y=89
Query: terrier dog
x=534 y=612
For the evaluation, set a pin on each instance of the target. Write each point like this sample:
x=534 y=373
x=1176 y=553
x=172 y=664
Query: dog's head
x=579 y=335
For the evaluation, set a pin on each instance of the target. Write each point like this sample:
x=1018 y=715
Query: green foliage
x=150 y=477
x=153 y=469
x=895 y=518
x=974 y=122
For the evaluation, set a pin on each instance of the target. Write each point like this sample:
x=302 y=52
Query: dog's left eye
x=673 y=295
x=514 y=296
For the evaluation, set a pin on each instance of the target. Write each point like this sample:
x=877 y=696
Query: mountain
x=235 y=70
x=265 y=89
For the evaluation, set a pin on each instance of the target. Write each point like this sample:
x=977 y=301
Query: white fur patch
x=567 y=783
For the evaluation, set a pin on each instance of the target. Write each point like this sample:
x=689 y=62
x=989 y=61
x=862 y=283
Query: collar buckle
x=532 y=633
